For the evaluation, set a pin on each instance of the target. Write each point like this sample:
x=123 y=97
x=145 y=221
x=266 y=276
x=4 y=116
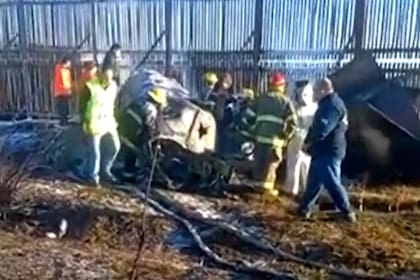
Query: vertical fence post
x=168 y=35
x=23 y=45
x=223 y=47
x=21 y=25
x=93 y=30
x=359 y=25
x=257 y=39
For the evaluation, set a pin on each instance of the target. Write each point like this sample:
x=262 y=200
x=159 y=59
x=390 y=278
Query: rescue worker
x=63 y=89
x=246 y=117
x=297 y=161
x=223 y=112
x=210 y=80
x=326 y=143
x=138 y=124
x=241 y=121
x=275 y=124
x=89 y=72
x=111 y=61
x=97 y=114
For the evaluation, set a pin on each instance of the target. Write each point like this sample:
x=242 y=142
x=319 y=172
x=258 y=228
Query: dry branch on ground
x=101 y=239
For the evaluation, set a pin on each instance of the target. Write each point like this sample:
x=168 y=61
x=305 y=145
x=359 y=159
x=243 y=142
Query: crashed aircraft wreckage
x=383 y=136
x=187 y=133
x=384 y=125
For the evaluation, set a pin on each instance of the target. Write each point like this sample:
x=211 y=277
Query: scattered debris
x=62 y=227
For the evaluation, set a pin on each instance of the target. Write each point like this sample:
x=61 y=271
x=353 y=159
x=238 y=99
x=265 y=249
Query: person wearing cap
x=326 y=143
x=97 y=105
x=138 y=124
x=275 y=124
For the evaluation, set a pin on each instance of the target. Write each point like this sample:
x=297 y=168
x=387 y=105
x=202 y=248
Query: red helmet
x=278 y=79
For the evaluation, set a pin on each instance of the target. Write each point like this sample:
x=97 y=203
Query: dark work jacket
x=222 y=108
x=229 y=112
x=327 y=135
x=110 y=61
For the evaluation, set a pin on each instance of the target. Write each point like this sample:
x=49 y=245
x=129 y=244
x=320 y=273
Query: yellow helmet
x=210 y=78
x=248 y=93
x=159 y=95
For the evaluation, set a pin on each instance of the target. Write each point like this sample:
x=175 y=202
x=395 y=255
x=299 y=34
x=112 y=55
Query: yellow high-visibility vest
x=99 y=118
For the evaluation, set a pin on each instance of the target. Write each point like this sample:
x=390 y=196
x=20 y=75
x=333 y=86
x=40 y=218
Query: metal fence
x=248 y=38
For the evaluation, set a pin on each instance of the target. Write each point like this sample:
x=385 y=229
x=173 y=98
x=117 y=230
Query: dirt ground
x=101 y=238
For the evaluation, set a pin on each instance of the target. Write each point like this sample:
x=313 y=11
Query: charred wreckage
x=383 y=135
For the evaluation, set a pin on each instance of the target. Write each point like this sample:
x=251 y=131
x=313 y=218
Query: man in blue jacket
x=326 y=143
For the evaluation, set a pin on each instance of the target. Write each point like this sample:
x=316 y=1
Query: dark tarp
x=358 y=75
x=396 y=105
x=363 y=79
x=384 y=132
x=382 y=136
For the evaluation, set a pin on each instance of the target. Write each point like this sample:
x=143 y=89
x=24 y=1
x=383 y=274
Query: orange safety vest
x=62 y=81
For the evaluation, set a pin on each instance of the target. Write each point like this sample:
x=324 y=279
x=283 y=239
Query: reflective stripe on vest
x=250 y=113
x=245 y=133
x=271 y=141
x=130 y=144
x=135 y=116
x=270 y=118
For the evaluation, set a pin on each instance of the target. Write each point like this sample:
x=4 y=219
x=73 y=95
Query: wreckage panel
x=140 y=83
x=358 y=75
x=379 y=148
x=183 y=122
x=395 y=104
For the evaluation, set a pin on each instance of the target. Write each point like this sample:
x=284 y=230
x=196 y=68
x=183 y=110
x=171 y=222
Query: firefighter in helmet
x=275 y=124
x=138 y=124
x=246 y=116
x=210 y=80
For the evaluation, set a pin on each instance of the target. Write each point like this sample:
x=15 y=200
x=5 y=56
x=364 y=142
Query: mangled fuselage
x=384 y=126
x=181 y=120
x=187 y=132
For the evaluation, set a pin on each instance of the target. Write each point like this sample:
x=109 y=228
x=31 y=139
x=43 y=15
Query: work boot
x=349 y=217
x=93 y=182
x=269 y=195
x=110 y=179
x=129 y=177
x=303 y=214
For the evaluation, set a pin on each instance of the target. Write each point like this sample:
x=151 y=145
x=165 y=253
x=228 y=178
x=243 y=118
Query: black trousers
x=129 y=159
x=63 y=108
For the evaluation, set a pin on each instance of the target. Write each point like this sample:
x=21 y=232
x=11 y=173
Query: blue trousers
x=102 y=151
x=325 y=172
